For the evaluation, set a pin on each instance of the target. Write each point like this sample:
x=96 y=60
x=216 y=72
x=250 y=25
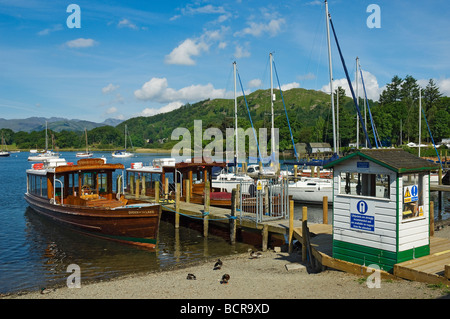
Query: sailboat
x=313 y=189
x=123 y=153
x=3 y=151
x=226 y=181
x=46 y=154
x=87 y=153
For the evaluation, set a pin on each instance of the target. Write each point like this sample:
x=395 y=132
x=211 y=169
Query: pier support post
x=431 y=218
x=177 y=205
x=138 y=182
x=325 y=210
x=206 y=209
x=295 y=172
x=233 y=215
x=166 y=189
x=291 y=224
x=131 y=184
x=157 y=191
x=187 y=190
x=304 y=234
x=143 y=188
x=265 y=237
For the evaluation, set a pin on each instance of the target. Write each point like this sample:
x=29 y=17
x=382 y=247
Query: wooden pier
x=433 y=269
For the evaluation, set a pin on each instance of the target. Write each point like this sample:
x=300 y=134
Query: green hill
x=309 y=113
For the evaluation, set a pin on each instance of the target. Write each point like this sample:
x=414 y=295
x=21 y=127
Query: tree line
x=395 y=115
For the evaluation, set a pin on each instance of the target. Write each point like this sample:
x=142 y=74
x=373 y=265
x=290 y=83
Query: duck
x=218 y=264
x=225 y=279
x=191 y=277
x=254 y=254
x=45 y=291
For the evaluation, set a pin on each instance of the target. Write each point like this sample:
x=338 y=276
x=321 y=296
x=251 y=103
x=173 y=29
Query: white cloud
x=158 y=90
x=109 y=88
x=81 y=43
x=167 y=108
x=273 y=27
x=241 y=52
x=308 y=76
x=192 y=47
x=183 y=53
x=289 y=86
x=56 y=27
x=111 y=110
x=255 y=83
x=125 y=23
x=370 y=81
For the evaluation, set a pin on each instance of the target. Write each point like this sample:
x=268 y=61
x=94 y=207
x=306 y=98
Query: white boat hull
x=122 y=155
x=311 y=190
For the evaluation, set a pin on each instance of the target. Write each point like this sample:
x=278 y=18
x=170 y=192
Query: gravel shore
x=266 y=277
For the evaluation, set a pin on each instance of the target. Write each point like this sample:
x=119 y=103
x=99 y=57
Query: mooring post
x=187 y=191
x=206 y=209
x=304 y=234
x=143 y=188
x=325 y=210
x=177 y=205
x=166 y=189
x=138 y=183
x=431 y=218
x=131 y=184
x=291 y=223
x=265 y=237
x=157 y=191
x=233 y=216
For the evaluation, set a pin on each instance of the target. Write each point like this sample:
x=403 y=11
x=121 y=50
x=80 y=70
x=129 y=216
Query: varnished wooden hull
x=131 y=225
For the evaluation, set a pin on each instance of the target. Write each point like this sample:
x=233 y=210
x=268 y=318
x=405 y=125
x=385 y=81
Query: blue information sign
x=362 y=221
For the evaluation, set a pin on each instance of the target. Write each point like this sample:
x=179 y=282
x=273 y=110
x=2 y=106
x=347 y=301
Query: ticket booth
x=381 y=201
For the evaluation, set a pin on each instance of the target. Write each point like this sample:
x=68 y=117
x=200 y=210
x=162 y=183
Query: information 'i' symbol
x=362 y=207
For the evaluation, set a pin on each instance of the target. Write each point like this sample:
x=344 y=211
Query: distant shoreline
x=137 y=150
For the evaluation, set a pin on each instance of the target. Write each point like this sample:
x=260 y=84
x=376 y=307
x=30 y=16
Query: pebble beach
x=273 y=275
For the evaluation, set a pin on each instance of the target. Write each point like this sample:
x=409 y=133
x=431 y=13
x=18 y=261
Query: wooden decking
x=433 y=269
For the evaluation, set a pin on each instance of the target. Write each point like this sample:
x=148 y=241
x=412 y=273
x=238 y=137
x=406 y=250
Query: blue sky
x=132 y=58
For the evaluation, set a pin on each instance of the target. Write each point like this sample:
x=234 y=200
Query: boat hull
x=131 y=224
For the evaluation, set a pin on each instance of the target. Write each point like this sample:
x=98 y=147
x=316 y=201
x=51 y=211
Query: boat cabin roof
x=60 y=165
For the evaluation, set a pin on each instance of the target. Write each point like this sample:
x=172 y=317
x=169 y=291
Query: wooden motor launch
x=82 y=196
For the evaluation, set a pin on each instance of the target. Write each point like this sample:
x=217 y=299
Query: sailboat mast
x=357 y=102
x=235 y=112
x=272 y=98
x=331 y=76
x=125 y=137
x=420 y=116
x=85 y=133
x=46 y=137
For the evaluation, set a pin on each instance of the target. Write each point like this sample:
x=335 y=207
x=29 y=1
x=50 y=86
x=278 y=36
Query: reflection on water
x=49 y=248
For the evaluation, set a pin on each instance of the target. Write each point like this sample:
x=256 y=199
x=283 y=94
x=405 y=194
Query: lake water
x=35 y=252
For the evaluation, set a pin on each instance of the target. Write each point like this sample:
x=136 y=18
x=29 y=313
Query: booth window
x=360 y=184
x=412 y=196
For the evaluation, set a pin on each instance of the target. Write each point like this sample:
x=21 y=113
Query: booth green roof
x=396 y=160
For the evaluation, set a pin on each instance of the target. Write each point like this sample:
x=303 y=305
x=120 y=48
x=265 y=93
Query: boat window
x=37 y=185
x=372 y=185
x=250 y=170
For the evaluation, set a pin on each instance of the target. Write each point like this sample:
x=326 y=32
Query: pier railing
x=263 y=200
